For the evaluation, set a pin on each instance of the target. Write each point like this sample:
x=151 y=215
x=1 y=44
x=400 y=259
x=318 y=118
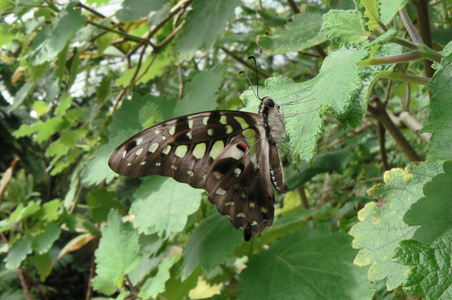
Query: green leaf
x=135 y=9
x=156 y=285
x=175 y=288
x=162 y=205
x=205 y=22
x=20 y=214
x=433 y=212
x=381 y=227
x=44 y=241
x=97 y=170
x=389 y=8
x=49 y=212
x=430 y=269
x=303 y=32
x=18 y=252
x=370 y=11
x=159 y=67
x=117 y=254
x=100 y=202
x=43 y=264
x=210 y=244
x=54 y=39
x=441 y=89
x=344 y=26
x=306 y=264
x=440 y=144
x=20 y=96
x=126 y=117
x=324 y=162
x=200 y=92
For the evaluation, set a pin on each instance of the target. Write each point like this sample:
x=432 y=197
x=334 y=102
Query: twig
x=303 y=198
x=410 y=27
x=423 y=19
x=382 y=142
x=350 y=135
x=23 y=283
x=181 y=81
x=35 y=284
x=262 y=73
x=89 y=289
x=379 y=112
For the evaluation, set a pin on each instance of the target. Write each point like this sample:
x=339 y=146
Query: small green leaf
x=117 y=254
x=43 y=264
x=305 y=264
x=156 y=284
x=381 y=227
x=303 y=32
x=371 y=13
x=18 y=252
x=20 y=96
x=344 y=26
x=163 y=205
x=40 y=107
x=135 y=9
x=210 y=244
x=49 y=212
x=430 y=269
x=44 y=241
x=205 y=22
x=433 y=212
x=54 y=39
x=159 y=66
x=100 y=202
x=388 y=8
x=97 y=170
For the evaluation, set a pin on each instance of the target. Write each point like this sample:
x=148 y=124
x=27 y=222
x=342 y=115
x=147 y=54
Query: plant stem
x=380 y=112
x=404 y=77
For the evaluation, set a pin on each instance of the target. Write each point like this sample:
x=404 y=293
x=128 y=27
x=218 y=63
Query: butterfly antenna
x=256 y=93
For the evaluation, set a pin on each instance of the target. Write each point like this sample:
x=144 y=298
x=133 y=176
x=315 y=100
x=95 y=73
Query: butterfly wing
x=224 y=152
x=239 y=182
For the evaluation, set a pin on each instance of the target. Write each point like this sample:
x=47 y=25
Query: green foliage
x=381 y=225
x=77 y=80
x=427 y=263
x=281 y=272
x=301 y=33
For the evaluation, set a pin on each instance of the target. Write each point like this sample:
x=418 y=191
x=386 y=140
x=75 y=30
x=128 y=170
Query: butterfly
x=233 y=155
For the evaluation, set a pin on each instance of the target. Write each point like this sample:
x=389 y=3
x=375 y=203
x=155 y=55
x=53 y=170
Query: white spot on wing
x=251 y=204
x=139 y=151
x=142 y=163
x=223 y=120
x=199 y=151
x=157 y=164
x=241 y=215
x=204 y=120
x=228 y=129
x=220 y=191
x=167 y=150
x=139 y=141
x=157 y=131
x=190 y=124
x=210 y=131
x=181 y=151
x=217 y=147
x=190 y=173
x=230 y=203
x=172 y=130
x=153 y=147
x=264 y=210
x=124 y=154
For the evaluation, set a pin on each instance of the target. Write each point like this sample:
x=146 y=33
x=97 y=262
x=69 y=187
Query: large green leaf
x=388 y=8
x=430 y=268
x=303 y=32
x=163 y=205
x=44 y=241
x=370 y=11
x=433 y=212
x=381 y=227
x=117 y=254
x=210 y=244
x=18 y=252
x=306 y=264
x=204 y=24
x=200 y=92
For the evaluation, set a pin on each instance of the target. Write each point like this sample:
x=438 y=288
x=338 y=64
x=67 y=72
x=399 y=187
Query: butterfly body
x=233 y=155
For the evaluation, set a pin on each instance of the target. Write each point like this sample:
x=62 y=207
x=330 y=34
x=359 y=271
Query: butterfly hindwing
x=239 y=183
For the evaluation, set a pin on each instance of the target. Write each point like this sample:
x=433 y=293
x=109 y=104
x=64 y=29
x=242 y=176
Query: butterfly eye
x=268 y=102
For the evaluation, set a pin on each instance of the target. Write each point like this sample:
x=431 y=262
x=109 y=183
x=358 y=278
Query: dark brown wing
x=183 y=148
x=239 y=184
